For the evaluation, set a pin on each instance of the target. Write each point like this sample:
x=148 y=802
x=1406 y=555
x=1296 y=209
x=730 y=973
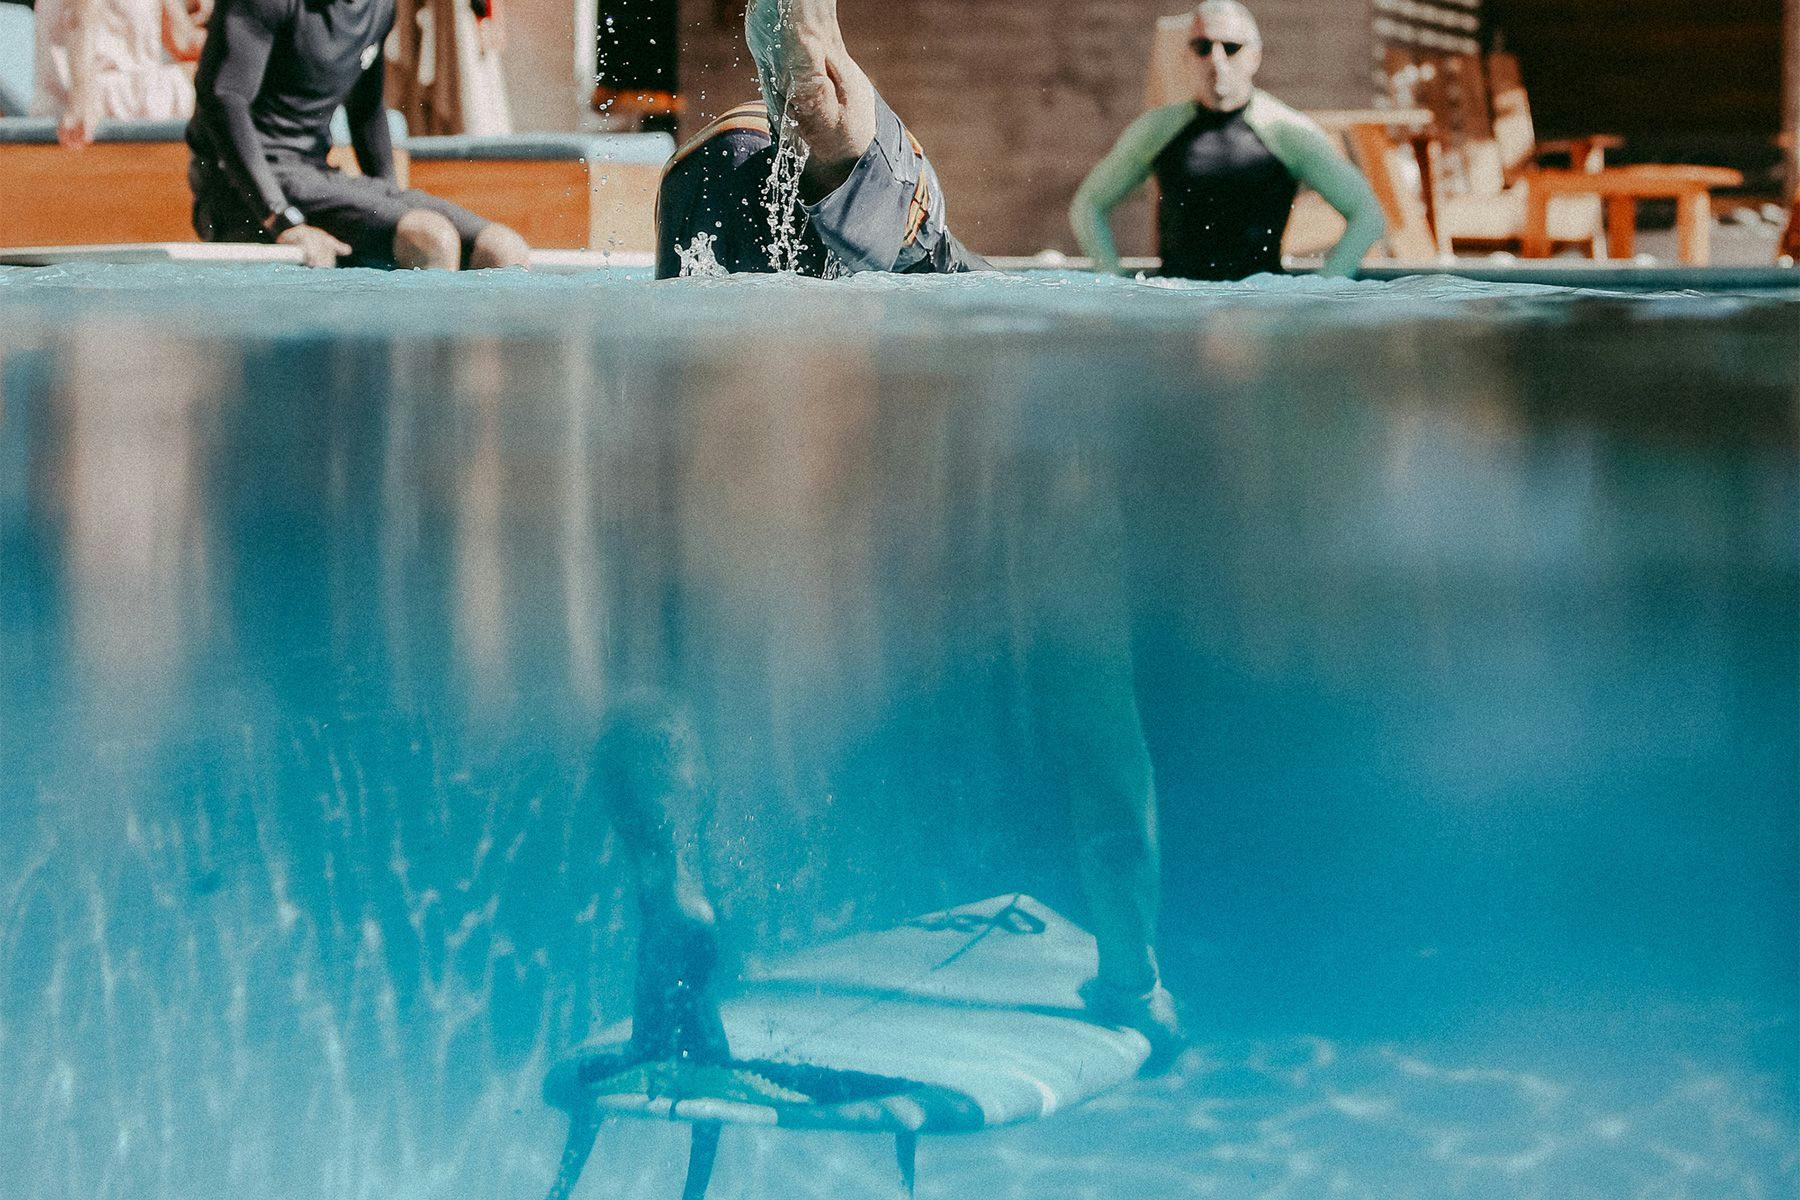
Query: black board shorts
x=357 y=210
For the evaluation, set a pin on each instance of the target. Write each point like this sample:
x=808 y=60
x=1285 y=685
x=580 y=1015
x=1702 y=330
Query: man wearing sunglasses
x=1228 y=165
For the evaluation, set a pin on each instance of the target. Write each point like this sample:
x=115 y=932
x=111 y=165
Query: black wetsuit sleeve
x=248 y=29
x=715 y=191
x=366 y=112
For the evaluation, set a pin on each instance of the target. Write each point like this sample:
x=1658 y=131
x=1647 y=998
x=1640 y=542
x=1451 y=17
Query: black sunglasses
x=1204 y=46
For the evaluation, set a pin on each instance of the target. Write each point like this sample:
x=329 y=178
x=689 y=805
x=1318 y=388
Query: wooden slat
x=546 y=202
x=553 y=203
x=108 y=192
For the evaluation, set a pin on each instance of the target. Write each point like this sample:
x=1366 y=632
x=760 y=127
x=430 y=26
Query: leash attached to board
x=951 y=1022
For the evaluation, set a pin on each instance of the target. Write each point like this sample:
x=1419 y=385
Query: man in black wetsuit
x=272 y=74
x=1227 y=165
x=868 y=199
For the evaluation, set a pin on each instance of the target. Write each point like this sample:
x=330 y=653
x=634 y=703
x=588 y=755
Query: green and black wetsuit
x=1227 y=183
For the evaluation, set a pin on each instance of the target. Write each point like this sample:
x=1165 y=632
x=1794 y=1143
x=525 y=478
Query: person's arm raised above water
x=1309 y=155
x=1116 y=176
x=244 y=33
x=808 y=77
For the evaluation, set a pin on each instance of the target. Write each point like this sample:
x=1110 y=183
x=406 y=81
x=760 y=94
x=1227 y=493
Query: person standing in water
x=1228 y=164
x=867 y=199
x=270 y=77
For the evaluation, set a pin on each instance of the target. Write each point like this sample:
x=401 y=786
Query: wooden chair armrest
x=1584 y=153
x=1599 y=141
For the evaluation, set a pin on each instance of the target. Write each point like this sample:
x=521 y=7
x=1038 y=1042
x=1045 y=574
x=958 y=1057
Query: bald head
x=1227 y=44
x=1232 y=11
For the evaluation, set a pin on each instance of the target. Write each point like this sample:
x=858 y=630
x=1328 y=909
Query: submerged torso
x=1225 y=199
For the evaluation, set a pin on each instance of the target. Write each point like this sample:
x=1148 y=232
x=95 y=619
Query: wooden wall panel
x=108 y=192
x=1657 y=69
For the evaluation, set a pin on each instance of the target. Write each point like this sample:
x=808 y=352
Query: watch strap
x=283 y=219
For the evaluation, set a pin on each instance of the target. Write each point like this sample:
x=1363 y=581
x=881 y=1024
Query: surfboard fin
x=906 y=1153
x=702 y=1150
x=584 y=1127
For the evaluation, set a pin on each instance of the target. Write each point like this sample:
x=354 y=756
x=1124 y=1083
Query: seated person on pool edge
x=1227 y=165
x=270 y=77
x=869 y=199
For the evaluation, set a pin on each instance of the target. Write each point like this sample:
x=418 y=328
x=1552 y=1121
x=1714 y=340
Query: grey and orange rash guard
x=887 y=216
x=1227 y=184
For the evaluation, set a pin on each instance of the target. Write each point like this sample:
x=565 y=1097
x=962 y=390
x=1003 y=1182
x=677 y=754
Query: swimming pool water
x=1462 y=622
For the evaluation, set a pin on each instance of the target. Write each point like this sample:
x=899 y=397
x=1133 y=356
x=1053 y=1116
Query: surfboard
x=242 y=254
x=952 y=1022
x=234 y=254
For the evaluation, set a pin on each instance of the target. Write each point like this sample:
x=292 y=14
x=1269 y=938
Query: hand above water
x=317 y=248
x=805 y=68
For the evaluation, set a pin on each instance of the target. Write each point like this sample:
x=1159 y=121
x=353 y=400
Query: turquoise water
x=1462 y=623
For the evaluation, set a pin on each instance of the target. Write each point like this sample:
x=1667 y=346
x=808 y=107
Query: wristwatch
x=282 y=220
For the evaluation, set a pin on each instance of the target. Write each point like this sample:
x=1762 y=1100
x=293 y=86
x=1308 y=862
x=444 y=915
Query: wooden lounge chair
x=1397 y=160
x=1588 y=179
x=1486 y=146
x=1515 y=132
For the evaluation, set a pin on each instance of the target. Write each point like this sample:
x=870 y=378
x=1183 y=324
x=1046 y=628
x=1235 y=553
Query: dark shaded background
x=1680 y=81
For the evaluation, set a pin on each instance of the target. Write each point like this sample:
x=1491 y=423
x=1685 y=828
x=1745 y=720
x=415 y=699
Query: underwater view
x=1458 y=626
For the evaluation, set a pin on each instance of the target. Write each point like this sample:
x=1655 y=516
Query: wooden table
x=1622 y=188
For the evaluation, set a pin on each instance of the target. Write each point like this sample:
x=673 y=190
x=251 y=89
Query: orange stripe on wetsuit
x=752 y=116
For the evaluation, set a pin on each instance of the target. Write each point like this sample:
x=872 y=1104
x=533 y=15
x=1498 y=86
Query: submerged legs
x=584 y=1127
x=702 y=1151
x=1084 y=698
x=647 y=773
x=906 y=1155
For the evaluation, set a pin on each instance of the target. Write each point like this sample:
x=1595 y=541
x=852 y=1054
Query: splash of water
x=781 y=192
x=698 y=259
x=781 y=195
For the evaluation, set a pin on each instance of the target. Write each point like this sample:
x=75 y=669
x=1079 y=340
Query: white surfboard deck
x=241 y=254
x=955 y=1021
x=220 y=254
